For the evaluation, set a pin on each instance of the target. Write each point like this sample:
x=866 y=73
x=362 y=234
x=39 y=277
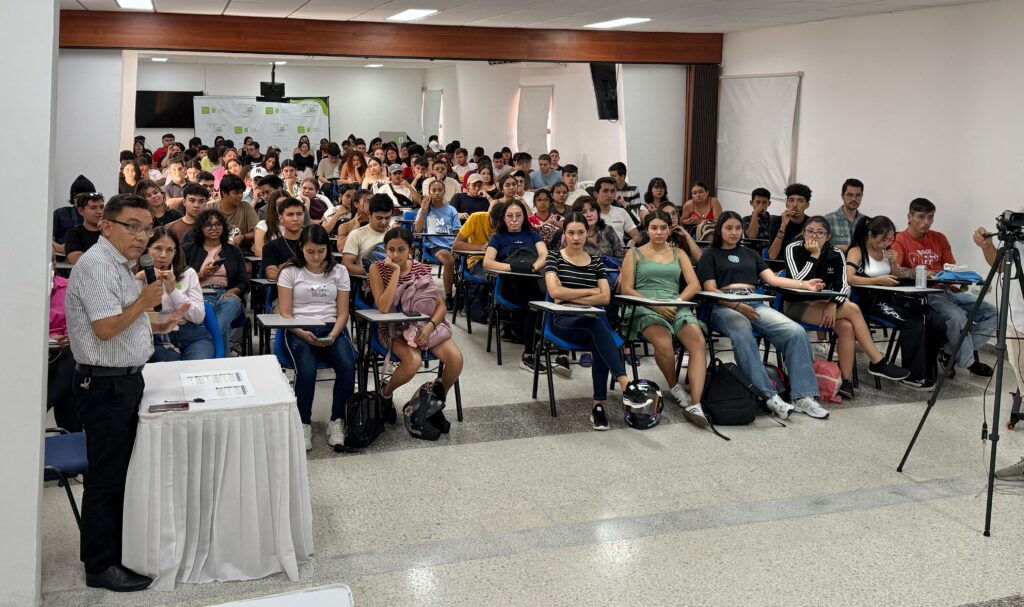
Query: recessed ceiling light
x=280 y=63
x=374 y=65
x=136 y=5
x=412 y=14
x=159 y=59
x=604 y=25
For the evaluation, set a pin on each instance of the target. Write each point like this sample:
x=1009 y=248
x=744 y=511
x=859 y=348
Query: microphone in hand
x=146 y=261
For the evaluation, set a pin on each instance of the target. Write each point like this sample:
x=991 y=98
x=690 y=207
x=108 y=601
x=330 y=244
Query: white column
x=129 y=79
x=29 y=32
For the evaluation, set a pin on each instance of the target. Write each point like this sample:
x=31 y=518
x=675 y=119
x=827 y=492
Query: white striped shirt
x=102 y=285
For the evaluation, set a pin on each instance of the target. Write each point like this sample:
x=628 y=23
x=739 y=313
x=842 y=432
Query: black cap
x=81 y=185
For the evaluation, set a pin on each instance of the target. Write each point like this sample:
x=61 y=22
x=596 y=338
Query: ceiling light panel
x=614 y=23
x=136 y=5
x=413 y=14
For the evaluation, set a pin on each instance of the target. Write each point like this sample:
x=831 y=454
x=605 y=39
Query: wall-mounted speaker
x=606 y=90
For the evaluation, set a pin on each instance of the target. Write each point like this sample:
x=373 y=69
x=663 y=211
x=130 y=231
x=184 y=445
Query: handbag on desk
x=420 y=296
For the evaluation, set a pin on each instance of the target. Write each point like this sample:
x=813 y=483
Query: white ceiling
x=665 y=15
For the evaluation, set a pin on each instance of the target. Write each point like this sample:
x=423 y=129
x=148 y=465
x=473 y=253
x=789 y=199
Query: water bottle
x=921 y=277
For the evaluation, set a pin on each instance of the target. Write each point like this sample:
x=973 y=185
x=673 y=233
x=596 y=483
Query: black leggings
x=919 y=344
x=521 y=291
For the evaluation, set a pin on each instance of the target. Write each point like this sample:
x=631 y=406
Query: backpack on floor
x=778 y=379
x=364 y=420
x=730 y=398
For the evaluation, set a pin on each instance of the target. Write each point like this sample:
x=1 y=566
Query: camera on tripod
x=1010 y=224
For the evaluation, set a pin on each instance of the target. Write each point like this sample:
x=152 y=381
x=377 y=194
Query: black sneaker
x=633 y=394
x=529 y=361
x=598 y=419
x=980 y=369
x=943 y=359
x=921 y=385
x=846 y=389
x=449 y=302
x=562 y=367
x=387 y=405
x=883 y=369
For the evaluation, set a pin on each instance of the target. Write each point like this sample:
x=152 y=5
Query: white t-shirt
x=315 y=295
x=261 y=225
x=573 y=195
x=619 y=220
x=462 y=170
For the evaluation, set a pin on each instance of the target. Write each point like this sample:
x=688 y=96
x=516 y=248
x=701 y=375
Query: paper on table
x=214 y=385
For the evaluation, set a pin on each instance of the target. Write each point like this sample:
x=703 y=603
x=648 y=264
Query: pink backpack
x=829 y=380
x=420 y=295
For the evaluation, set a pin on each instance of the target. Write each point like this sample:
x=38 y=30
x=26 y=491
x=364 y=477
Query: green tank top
x=656 y=280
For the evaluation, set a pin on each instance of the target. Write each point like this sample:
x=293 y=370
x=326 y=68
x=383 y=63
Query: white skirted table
x=218 y=492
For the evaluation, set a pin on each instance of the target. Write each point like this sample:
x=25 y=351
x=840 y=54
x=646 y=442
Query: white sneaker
x=779 y=407
x=307 y=435
x=809 y=406
x=335 y=433
x=679 y=393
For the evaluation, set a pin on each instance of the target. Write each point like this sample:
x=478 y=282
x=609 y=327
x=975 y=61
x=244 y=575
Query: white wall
x=652 y=125
x=488 y=104
x=917 y=103
x=30 y=27
x=88 y=120
x=363 y=101
x=446 y=80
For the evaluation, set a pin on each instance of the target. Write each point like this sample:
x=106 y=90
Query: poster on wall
x=269 y=123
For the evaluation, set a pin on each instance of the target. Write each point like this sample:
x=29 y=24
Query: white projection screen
x=532 y=120
x=756 y=139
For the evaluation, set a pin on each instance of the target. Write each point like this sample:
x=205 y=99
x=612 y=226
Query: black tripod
x=1007 y=259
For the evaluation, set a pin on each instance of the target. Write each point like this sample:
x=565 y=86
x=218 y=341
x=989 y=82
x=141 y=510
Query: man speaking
x=111 y=339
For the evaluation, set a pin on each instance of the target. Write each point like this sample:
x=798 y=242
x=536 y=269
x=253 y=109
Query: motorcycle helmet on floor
x=642 y=403
x=423 y=417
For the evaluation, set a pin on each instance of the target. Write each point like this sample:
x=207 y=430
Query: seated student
x=521 y=178
x=314 y=285
x=655 y=198
x=191 y=340
x=758 y=224
x=571 y=275
x=389 y=278
x=359 y=216
x=844 y=219
x=727 y=266
x=362 y=241
x=472 y=200
x=263 y=185
x=68 y=217
x=790 y=225
x=625 y=194
x=657 y=270
x=602 y=240
x=241 y=217
x=462 y=166
x=195 y=199
x=700 y=208
x=870 y=261
x=473 y=236
x=514 y=239
x=269 y=228
x=546 y=222
x=679 y=236
x=157 y=199
x=439 y=172
x=919 y=245
x=80 y=238
x=571 y=177
x=560 y=199
x=60 y=372
x=177 y=177
x=398 y=189
x=280 y=251
x=814 y=257
x=221 y=268
x=206 y=180
x=615 y=216
x=436 y=217
x=545 y=176
x=374 y=177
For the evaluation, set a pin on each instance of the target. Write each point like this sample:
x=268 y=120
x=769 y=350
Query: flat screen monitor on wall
x=165 y=109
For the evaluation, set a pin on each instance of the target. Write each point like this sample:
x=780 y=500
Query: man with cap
x=473 y=199
x=398 y=189
x=68 y=217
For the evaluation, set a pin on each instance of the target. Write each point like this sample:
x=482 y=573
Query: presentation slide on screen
x=270 y=124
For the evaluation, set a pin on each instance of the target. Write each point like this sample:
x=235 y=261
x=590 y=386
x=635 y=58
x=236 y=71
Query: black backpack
x=729 y=396
x=364 y=420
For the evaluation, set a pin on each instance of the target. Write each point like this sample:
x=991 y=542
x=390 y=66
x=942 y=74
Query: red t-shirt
x=932 y=250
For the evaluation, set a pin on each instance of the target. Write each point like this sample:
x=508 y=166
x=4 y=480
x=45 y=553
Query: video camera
x=1010 y=224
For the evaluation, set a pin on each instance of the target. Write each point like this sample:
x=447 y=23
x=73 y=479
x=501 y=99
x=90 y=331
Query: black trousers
x=59 y=396
x=109 y=410
x=921 y=336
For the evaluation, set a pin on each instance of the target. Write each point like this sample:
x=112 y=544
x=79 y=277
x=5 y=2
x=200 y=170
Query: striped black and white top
x=573 y=276
x=102 y=285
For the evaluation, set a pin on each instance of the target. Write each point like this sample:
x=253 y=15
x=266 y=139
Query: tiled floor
x=518 y=508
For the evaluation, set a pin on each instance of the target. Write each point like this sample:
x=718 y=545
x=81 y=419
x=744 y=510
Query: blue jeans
x=781 y=332
x=594 y=333
x=192 y=342
x=952 y=309
x=339 y=355
x=227 y=309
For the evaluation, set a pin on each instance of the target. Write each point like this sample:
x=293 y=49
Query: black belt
x=94 y=371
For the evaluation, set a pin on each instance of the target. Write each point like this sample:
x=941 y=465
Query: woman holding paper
x=656 y=270
x=313 y=285
x=572 y=275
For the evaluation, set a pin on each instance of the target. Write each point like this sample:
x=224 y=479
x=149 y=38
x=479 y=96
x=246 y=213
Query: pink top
x=220 y=276
x=58 y=318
